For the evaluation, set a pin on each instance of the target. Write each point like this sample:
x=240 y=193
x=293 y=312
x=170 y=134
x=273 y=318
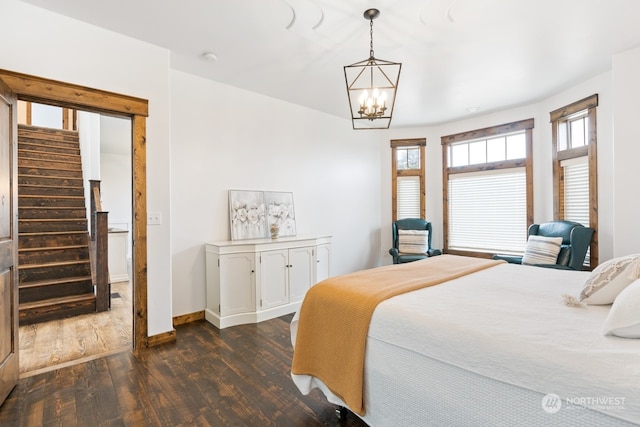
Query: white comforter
x=509 y=323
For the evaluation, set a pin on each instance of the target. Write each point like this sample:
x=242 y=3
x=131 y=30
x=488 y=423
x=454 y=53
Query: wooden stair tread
x=53 y=219
x=53 y=282
x=51 y=167
x=30 y=149
x=53 y=233
x=53 y=196
x=75 y=187
x=57 y=301
x=27 y=154
x=24 y=266
x=69 y=158
x=53 y=248
x=51 y=207
x=30 y=175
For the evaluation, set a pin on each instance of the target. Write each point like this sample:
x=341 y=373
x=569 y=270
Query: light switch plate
x=154 y=218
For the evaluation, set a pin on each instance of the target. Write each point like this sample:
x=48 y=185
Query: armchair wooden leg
x=341 y=412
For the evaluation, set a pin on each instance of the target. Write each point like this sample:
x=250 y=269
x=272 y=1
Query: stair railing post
x=100 y=244
x=96 y=204
x=103 y=284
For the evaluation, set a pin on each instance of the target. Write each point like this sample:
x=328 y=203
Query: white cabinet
x=238 y=269
x=302 y=272
x=254 y=280
x=274 y=278
x=323 y=256
x=118 y=243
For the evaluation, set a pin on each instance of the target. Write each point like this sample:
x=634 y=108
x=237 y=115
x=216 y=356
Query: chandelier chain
x=371 y=38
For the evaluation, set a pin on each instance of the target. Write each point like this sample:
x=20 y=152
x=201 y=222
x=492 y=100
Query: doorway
x=105 y=144
x=66 y=95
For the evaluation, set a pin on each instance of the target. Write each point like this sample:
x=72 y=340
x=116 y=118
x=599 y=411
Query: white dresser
x=249 y=281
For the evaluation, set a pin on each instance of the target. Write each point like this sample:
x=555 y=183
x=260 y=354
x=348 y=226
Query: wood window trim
x=590 y=104
x=522 y=125
x=67 y=95
x=395 y=173
x=487 y=132
x=568 y=110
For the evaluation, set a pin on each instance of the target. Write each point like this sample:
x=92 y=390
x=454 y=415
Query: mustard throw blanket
x=335 y=315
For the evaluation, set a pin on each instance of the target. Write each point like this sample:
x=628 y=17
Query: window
x=488 y=203
x=49 y=116
x=574 y=167
x=408 y=184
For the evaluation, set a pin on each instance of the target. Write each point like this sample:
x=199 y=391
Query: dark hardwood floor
x=238 y=376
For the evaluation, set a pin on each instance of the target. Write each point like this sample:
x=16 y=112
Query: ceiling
x=457 y=55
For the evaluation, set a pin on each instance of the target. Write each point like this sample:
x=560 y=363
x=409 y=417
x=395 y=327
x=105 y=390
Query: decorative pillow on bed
x=609 y=279
x=413 y=241
x=624 y=317
x=542 y=250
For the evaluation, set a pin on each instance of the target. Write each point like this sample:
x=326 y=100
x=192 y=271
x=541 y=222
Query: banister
x=100 y=248
x=103 y=284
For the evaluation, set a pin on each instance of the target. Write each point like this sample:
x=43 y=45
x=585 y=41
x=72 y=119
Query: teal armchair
x=411 y=224
x=576 y=240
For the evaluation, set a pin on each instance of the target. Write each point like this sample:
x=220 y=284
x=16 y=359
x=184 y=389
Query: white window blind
x=408 y=197
x=576 y=190
x=488 y=211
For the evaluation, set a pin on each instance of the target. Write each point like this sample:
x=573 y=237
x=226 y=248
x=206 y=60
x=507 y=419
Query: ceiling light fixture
x=371 y=87
x=209 y=56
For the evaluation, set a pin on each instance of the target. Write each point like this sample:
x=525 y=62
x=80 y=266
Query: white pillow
x=624 y=317
x=609 y=279
x=541 y=250
x=413 y=241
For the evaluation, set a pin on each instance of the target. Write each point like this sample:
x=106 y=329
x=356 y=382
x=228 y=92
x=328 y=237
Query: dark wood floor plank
x=61 y=407
x=237 y=376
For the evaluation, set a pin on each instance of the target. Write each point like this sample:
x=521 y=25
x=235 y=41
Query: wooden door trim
x=9 y=362
x=67 y=95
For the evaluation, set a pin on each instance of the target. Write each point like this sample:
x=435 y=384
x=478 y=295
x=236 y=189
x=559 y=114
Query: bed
x=498 y=346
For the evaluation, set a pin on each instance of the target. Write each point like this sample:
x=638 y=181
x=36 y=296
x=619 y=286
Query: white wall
x=115 y=189
x=542 y=160
x=204 y=138
x=626 y=152
x=64 y=49
x=224 y=138
x=89 y=134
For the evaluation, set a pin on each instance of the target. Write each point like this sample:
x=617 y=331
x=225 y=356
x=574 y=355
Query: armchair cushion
x=541 y=250
x=417 y=241
x=413 y=241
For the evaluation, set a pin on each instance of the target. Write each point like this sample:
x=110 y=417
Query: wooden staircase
x=55 y=279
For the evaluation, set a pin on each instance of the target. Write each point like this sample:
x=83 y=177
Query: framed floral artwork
x=280 y=214
x=247 y=215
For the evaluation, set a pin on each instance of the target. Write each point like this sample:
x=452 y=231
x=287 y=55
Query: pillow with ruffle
x=609 y=279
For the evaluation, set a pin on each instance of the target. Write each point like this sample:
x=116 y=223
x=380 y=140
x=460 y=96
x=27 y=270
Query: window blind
x=576 y=193
x=576 y=190
x=487 y=211
x=408 y=197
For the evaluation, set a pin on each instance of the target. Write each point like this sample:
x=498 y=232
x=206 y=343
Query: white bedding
x=505 y=328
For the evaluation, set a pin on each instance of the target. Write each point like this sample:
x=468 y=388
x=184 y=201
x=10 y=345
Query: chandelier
x=371 y=86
